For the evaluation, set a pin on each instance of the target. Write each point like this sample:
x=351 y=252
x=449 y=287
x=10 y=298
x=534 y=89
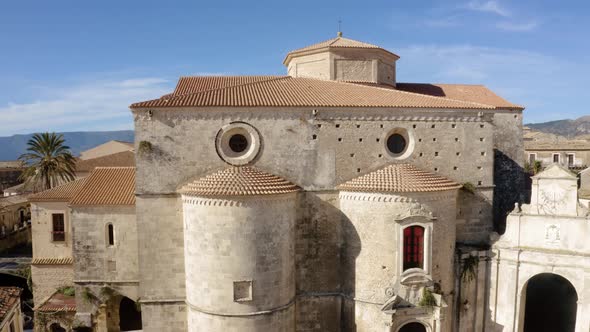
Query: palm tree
x=49 y=161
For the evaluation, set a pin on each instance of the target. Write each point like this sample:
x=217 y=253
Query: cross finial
x=339 y=28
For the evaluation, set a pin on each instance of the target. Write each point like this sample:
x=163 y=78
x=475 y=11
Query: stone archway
x=550 y=304
x=129 y=315
x=55 y=327
x=413 y=327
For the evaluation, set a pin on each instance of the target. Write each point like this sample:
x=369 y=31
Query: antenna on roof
x=339 y=28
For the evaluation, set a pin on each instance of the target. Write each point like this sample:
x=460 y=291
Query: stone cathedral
x=336 y=198
x=328 y=199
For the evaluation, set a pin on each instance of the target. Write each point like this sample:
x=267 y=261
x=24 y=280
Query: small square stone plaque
x=111 y=266
x=243 y=291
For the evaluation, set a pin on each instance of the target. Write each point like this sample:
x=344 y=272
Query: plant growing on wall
x=427 y=299
x=88 y=296
x=145 y=147
x=469 y=187
x=67 y=290
x=533 y=168
x=26 y=273
x=138 y=305
x=106 y=293
x=469 y=271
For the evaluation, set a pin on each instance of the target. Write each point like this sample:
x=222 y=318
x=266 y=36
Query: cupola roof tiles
x=239 y=181
x=399 y=178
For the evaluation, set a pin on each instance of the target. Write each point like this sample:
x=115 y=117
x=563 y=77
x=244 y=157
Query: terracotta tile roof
x=9 y=297
x=286 y=91
x=129 y=144
x=107 y=186
x=53 y=261
x=193 y=84
x=338 y=42
x=119 y=159
x=399 y=178
x=58 y=302
x=63 y=193
x=558 y=145
x=465 y=92
x=239 y=181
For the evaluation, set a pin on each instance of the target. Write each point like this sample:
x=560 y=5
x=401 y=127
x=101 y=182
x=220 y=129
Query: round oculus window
x=238 y=143
x=396 y=143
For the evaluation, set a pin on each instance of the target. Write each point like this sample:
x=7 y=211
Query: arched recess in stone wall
x=414 y=326
x=129 y=315
x=56 y=327
x=548 y=302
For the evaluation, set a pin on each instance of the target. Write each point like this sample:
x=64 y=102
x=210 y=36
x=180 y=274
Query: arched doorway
x=129 y=315
x=413 y=327
x=55 y=327
x=550 y=304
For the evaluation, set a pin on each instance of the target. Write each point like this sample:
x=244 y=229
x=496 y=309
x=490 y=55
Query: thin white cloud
x=445 y=22
x=517 y=27
x=140 y=82
x=88 y=106
x=488 y=6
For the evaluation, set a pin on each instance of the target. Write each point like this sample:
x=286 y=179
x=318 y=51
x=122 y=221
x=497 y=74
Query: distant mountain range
x=578 y=128
x=12 y=147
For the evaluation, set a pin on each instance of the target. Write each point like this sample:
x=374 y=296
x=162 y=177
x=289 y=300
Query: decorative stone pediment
x=394 y=303
x=555 y=172
x=554 y=192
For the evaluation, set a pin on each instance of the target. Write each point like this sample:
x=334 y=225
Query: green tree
x=49 y=161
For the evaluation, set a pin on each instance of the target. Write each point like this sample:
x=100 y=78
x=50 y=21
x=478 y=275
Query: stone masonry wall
x=48 y=278
x=42 y=226
x=508 y=173
x=96 y=260
x=372 y=257
x=331 y=146
x=240 y=262
x=161 y=262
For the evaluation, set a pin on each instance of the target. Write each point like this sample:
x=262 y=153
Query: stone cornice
x=237 y=201
x=395 y=198
x=316 y=113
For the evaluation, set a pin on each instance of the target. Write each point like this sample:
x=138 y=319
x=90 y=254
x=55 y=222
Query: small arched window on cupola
x=110 y=236
x=413 y=254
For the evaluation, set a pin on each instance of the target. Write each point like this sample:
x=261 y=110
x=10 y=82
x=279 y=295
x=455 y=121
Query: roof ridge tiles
x=309 y=92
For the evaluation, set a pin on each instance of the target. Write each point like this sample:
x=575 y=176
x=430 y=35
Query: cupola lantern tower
x=343 y=59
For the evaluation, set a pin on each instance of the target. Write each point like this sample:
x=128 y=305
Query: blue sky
x=77 y=65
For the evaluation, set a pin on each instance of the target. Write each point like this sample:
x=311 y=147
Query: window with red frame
x=59 y=233
x=413 y=247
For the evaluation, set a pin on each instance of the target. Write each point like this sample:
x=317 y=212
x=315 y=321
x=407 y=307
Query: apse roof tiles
x=239 y=181
x=399 y=178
